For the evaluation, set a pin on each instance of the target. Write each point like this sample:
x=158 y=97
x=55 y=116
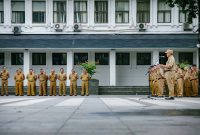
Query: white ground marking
x=12 y=100
x=120 y=102
x=189 y=100
x=158 y=102
x=29 y=102
x=71 y=102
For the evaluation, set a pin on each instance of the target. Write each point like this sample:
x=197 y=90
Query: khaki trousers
x=180 y=87
x=52 y=88
x=4 y=87
x=85 y=88
x=195 y=85
x=31 y=89
x=160 y=87
x=73 y=88
x=42 y=91
x=170 y=75
x=62 y=88
x=19 y=88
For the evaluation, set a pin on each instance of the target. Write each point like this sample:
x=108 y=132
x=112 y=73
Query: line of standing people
x=43 y=79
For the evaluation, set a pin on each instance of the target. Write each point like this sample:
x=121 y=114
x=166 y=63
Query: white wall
x=130 y=75
x=91 y=27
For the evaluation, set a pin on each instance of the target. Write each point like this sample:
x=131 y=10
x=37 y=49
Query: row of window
x=100 y=58
x=122 y=10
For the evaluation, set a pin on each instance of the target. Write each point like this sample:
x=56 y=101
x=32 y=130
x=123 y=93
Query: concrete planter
x=94 y=86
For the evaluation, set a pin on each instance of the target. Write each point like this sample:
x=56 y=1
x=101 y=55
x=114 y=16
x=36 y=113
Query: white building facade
x=123 y=37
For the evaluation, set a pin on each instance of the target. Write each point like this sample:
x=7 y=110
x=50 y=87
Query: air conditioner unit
x=142 y=27
x=77 y=28
x=17 y=30
x=59 y=27
x=187 y=27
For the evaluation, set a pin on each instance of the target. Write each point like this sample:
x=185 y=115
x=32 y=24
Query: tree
x=189 y=7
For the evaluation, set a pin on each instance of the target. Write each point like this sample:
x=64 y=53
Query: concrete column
x=112 y=68
x=49 y=13
x=26 y=65
x=154 y=12
x=70 y=13
x=70 y=64
x=7 y=13
x=111 y=12
x=155 y=57
x=175 y=19
x=134 y=13
x=28 y=13
x=91 y=13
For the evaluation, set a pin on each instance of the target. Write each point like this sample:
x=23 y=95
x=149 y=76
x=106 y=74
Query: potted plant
x=93 y=83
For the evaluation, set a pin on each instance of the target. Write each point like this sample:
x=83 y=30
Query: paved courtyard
x=99 y=115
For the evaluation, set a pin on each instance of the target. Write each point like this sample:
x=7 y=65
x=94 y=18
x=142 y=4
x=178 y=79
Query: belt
x=194 y=79
x=84 y=80
x=30 y=81
x=18 y=81
x=161 y=78
x=52 y=81
x=5 y=79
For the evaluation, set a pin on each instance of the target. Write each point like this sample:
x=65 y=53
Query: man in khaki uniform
x=179 y=78
x=62 y=77
x=4 y=74
x=155 y=82
x=73 y=83
x=42 y=83
x=31 y=77
x=161 y=81
x=194 y=80
x=52 y=79
x=187 y=82
x=85 y=83
x=169 y=69
x=151 y=79
x=19 y=78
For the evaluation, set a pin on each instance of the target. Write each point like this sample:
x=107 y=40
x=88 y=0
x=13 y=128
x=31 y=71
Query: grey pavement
x=99 y=115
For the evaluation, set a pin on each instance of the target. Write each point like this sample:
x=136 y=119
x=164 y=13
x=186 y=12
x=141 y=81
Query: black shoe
x=70 y=95
x=87 y=95
x=16 y=95
x=169 y=98
x=7 y=95
x=75 y=95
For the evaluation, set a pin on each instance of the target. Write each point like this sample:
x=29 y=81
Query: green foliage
x=183 y=65
x=188 y=6
x=89 y=67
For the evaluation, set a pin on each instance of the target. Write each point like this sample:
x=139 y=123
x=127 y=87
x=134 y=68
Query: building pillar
x=7 y=13
x=112 y=68
x=155 y=57
x=91 y=13
x=70 y=64
x=49 y=13
x=70 y=14
x=28 y=13
x=26 y=65
x=111 y=12
x=154 y=13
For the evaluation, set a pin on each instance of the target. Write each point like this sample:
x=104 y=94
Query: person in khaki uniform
x=194 y=80
x=169 y=70
x=85 y=83
x=19 y=78
x=187 y=83
x=42 y=83
x=73 y=83
x=161 y=81
x=155 y=82
x=52 y=79
x=31 y=77
x=62 y=77
x=35 y=82
x=179 y=78
x=151 y=79
x=4 y=74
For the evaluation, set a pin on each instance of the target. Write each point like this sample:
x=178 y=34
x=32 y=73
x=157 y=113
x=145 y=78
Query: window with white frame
x=143 y=11
x=122 y=11
x=59 y=11
x=17 y=58
x=101 y=58
x=183 y=16
x=122 y=58
x=164 y=12
x=101 y=11
x=18 y=11
x=39 y=11
x=80 y=11
x=38 y=58
x=144 y=58
x=59 y=58
x=80 y=58
x=1 y=11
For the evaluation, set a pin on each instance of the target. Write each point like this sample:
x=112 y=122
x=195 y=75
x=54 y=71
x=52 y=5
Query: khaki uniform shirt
x=62 y=77
x=52 y=77
x=85 y=77
x=4 y=75
x=170 y=64
x=73 y=77
x=31 y=77
x=42 y=77
x=19 y=77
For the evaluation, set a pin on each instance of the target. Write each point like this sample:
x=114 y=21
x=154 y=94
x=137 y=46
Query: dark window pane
x=122 y=58
x=1 y=11
x=102 y=58
x=80 y=58
x=143 y=11
x=38 y=58
x=59 y=58
x=39 y=11
x=80 y=11
x=2 y=59
x=17 y=58
x=101 y=12
x=59 y=11
x=162 y=58
x=143 y=58
x=18 y=11
x=186 y=57
x=122 y=11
